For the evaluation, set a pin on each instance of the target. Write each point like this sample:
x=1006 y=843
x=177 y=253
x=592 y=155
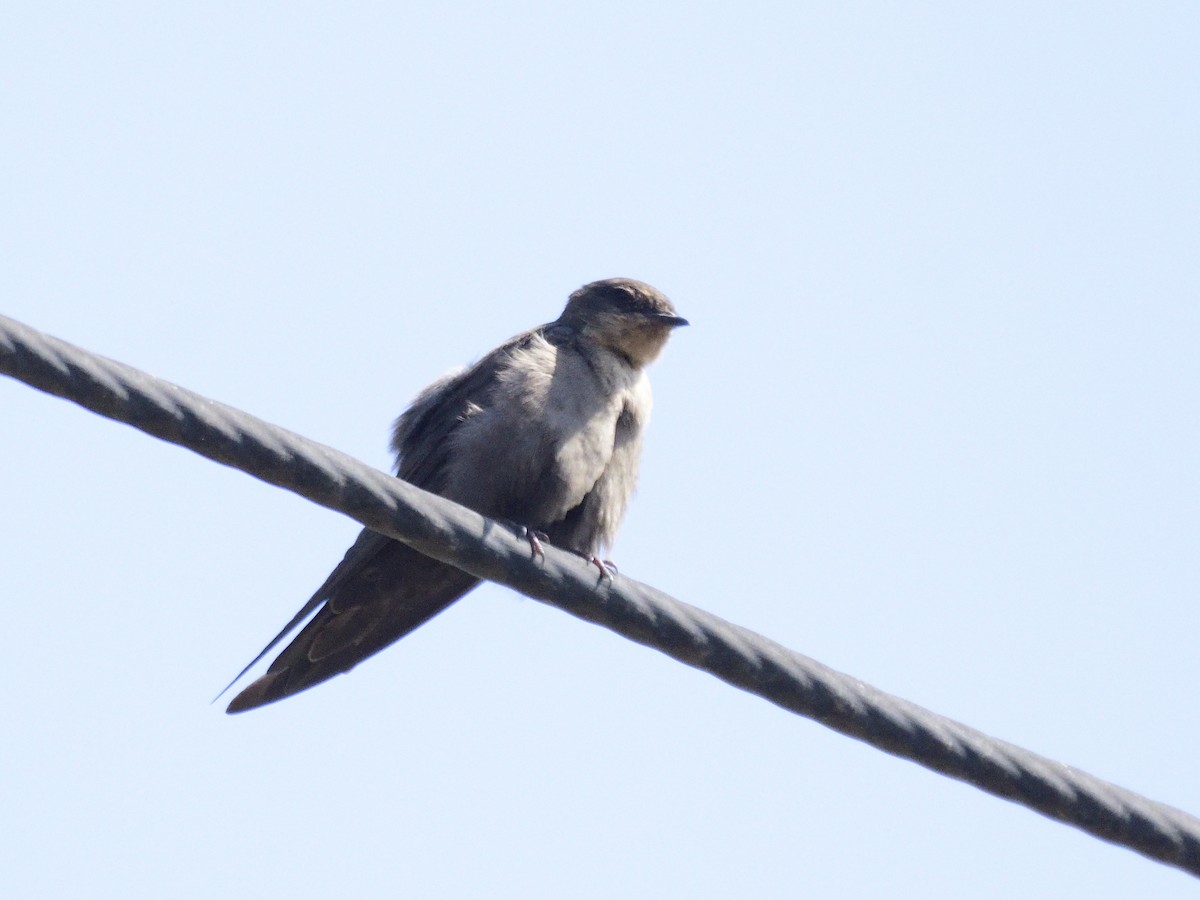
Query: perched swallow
x=544 y=431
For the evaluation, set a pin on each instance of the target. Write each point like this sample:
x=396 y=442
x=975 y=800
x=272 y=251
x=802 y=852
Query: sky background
x=936 y=424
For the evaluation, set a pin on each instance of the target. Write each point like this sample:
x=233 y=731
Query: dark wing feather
x=382 y=589
x=406 y=589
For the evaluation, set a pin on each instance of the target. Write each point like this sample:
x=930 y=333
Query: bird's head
x=626 y=316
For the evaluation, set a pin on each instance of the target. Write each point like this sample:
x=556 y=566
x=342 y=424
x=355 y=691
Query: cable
x=495 y=551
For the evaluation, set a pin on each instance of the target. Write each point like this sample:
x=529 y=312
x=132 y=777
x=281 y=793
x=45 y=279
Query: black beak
x=673 y=321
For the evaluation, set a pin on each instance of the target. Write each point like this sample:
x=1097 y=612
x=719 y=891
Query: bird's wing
x=391 y=591
x=421 y=436
x=382 y=589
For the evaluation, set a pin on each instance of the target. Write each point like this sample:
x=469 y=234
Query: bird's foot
x=607 y=567
x=535 y=538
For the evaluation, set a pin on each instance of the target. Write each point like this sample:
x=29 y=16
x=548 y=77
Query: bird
x=544 y=432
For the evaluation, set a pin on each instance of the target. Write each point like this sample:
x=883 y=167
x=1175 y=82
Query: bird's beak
x=672 y=321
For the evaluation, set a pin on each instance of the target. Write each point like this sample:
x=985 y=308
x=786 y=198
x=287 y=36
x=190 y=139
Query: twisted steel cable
x=495 y=551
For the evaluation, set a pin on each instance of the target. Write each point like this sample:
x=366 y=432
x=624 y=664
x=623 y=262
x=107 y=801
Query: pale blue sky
x=935 y=423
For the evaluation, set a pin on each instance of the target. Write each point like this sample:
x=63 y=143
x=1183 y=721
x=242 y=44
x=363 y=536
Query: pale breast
x=544 y=438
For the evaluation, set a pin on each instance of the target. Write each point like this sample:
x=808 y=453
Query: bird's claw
x=535 y=538
x=606 y=566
